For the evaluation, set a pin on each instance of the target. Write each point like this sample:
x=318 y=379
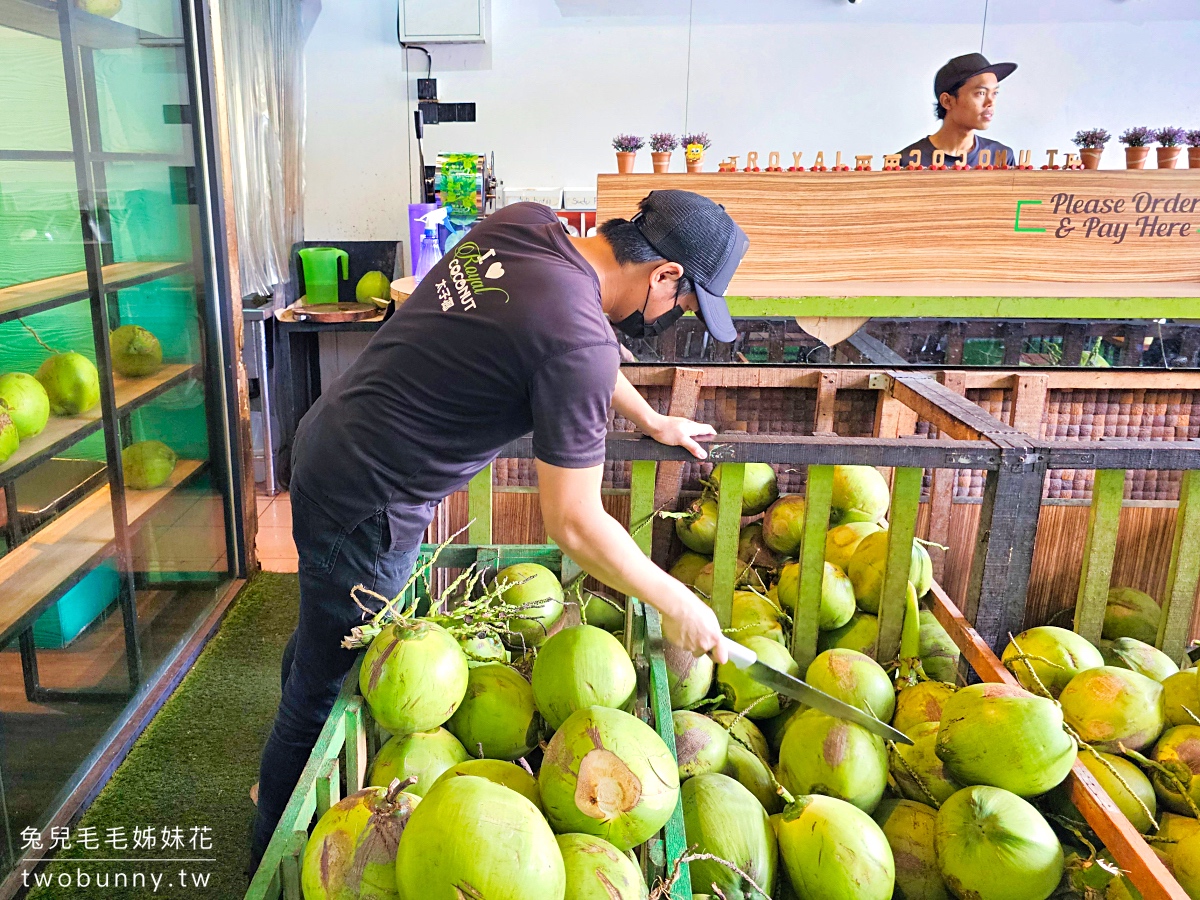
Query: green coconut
x=854 y=678
x=752 y=773
x=910 y=829
x=1088 y=877
x=71 y=381
x=759 y=487
x=867 y=566
x=136 y=352
x=993 y=845
x=920 y=703
x=775 y=729
x=498 y=771
x=1178 y=751
x=1131 y=613
x=1185 y=859
x=1059 y=800
x=413 y=676
x=371 y=285
x=783 y=525
x=604 y=612
x=754 y=615
x=753 y=550
x=470 y=831
x=824 y=755
x=722 y=818
x=1130 y=653
x=10 y=437
x=698 y=530
x=1174 y=827
x=483 y=648
x=834 y=851
x=147 y=464
x=1181 y=698
x=837 y=595
x=860 y=634
x=701 y=745
x=688 y=566
x=608 y=774
x=743 y=693
x=842 y=541
x=924 y=580
x=744 y=575
x=860 y=494
x=1055 y=656
x=1003 y=736
x=578 y=667
x=424 y=755
x=688 y=677
x=1121 y=889
x=1114 y=709
x=498 y=717
x=536 y=595
x=351 y=852
x=939 y=654
x=26 y=401
x=596 y=870
x=917 y=772
x=743 y=732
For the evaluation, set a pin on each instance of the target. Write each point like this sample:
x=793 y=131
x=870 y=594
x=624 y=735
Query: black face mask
x=635 y=325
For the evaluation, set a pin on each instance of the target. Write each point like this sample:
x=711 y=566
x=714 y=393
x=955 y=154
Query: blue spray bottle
x=430 y=251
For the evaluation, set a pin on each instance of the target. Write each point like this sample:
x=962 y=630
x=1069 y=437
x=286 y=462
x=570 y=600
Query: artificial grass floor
x=193 y=766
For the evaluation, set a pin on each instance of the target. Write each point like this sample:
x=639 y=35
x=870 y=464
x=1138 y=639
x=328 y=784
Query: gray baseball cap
x=697 y=233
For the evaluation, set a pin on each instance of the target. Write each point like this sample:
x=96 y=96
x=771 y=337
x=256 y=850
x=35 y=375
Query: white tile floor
x=276 y=552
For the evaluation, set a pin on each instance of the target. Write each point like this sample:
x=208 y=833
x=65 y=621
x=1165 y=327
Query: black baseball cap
x=962 y=69
x=698 y=234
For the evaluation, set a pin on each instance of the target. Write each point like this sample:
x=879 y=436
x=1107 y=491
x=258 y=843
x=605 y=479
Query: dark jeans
x=332 y=560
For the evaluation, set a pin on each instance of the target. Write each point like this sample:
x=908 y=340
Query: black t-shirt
x=504 y=336
x=981 y=143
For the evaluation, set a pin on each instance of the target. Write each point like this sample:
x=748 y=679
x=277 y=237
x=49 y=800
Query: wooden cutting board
x=333 y=312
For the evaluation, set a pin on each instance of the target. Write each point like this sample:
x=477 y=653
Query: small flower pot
x=1168 y=156
x=697 y=165
x=1135 y=157
x=1091 y=157
x=1194 y=157
x=661 y=161
x=625 y=161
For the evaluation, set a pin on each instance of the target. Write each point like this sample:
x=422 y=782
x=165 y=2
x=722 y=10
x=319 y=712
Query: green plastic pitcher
x=320 y=273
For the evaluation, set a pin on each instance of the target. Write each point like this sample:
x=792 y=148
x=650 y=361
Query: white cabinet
x=443 y=21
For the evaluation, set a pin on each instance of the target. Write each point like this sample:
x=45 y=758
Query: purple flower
x=663 y=142
x=1092 y=138
x=700 y=137
x=1192 y=138
x=1169 y=136
x=628 y=143
x=1138 y=136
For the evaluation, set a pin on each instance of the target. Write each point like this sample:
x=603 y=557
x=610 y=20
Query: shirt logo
x=467 y=280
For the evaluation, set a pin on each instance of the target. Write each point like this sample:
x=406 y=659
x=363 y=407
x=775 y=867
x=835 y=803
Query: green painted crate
x=350 y=737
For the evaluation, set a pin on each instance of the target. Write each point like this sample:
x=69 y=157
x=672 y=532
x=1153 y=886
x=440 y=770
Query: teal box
x=77 y=608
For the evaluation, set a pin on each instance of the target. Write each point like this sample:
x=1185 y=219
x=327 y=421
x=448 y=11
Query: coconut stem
x=1195 y=718
x=38 y=338
x=1166 y=773
x=1041 y=688
x=396 y=788
x=663 y=888
x=914 y=775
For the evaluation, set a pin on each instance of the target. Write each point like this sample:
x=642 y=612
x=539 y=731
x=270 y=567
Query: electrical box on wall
x=443 y=21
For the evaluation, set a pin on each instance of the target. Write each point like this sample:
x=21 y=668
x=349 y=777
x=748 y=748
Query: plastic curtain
x=264 y=68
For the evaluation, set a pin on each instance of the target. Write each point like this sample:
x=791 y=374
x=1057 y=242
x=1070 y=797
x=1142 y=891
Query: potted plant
x=1169 y=140
x=694 y=146
x=1192 y=139
x=1091 y=144
x=1136 y=151
x=627 y=146
x=661 y=145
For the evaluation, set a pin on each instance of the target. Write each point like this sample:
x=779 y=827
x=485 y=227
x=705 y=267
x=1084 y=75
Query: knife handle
x=742 y=657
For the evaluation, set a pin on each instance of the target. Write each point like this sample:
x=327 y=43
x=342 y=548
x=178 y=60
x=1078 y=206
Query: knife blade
x=782 y=683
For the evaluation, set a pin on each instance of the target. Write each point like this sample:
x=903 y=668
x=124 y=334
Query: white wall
x=560 y=77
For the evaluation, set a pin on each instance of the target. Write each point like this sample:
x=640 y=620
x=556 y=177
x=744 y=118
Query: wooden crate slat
x=1183 y=576
x=806 y=616
x=729 y=524
x=902 y=526
x=479 y=505
x=1099 y=550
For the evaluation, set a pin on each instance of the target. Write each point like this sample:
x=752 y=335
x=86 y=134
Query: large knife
x=782 y=683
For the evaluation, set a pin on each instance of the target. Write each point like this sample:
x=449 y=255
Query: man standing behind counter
x=965 y=89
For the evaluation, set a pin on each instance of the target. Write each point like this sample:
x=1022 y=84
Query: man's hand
x=695 y=628
x=676 y=431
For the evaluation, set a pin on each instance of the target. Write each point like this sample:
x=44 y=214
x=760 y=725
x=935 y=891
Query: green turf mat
x=191 y=768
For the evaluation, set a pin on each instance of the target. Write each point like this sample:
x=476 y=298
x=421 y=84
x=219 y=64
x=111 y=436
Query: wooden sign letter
x=752 y=159
x=773 y=160
x=1072 y=161
x=984 y=159
x=838 y=163
x=914 y=158
x=1024 y=158
x=820 y=163
x=863 y=160
x=1050 y=160
x=939 y=158
x=1001 y=158
x=892 y=160
x=796 y=158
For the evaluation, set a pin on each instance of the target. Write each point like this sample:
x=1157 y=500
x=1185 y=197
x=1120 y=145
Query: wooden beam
x=806 y=616
x=685 y=397
x=827 y=386
x=1099 y=550
x=953 y=414
x=1184 y=573
x=729 y=524
x=1029 y=403
x=941 y=491
x=902 y=522
x=479 y=507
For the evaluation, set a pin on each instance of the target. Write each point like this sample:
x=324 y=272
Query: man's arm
x=575 y=520
x=674 y=431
